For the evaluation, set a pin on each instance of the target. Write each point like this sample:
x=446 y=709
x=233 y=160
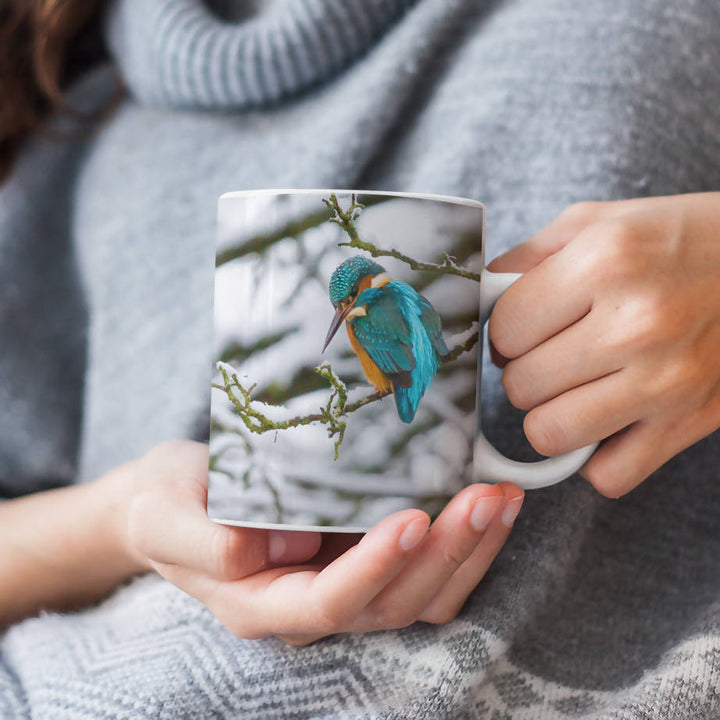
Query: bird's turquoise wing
x=384 y=334
x=433 y=326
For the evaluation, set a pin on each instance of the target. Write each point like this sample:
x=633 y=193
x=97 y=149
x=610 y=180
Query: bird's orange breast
x=376 y=377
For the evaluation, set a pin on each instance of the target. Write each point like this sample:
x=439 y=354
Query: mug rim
x=456 y=199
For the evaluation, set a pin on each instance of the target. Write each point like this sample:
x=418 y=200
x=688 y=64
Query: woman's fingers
x=229 y=570
x=584 y=415
x=529 y=254
x=540 y=304
x=625 y=459
x=386 y=580
x=553 y=270
x=349 y=583
x=310 y=599
x=573 y=357
x=550 y=239
x=183 y=535
x=449 y=594
x=448 y=602
x=453 y=537
x=558 y=233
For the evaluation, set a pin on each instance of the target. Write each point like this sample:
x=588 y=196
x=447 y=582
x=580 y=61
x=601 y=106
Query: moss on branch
x=331 y=414
x=258 y=422
x=262 y=242
x=346 y=220
x=292 y=229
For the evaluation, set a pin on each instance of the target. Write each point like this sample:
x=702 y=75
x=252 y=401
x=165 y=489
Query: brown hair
x=35 y=45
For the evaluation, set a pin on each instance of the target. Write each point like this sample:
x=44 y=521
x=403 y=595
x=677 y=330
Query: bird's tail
x=405 y=402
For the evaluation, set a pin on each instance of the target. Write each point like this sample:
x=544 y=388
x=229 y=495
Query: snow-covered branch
x=255 y=415
x=346 y=220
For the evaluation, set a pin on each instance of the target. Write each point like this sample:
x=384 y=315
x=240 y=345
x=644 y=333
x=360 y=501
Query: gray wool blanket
x=594 y=608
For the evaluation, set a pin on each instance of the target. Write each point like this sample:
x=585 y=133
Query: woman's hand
x=396 y=574
x=613 y=333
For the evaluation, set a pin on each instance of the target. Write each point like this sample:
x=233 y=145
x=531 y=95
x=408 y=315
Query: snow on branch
x=346 y=220
x=255 y=414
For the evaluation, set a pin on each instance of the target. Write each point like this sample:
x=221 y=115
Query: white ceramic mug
x=347 y=338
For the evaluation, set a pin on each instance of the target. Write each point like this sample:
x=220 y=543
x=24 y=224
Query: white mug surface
x=345 y=387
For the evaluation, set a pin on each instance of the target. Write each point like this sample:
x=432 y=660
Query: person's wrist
x=115 y=493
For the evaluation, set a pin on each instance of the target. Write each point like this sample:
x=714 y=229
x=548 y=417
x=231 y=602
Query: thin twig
x=330 y=414
x=346 y=220
x=257 y=422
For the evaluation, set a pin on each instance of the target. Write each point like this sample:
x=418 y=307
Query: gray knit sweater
x=594 y=608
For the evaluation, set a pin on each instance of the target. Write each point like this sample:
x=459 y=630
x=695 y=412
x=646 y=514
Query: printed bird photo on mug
x=345 y=347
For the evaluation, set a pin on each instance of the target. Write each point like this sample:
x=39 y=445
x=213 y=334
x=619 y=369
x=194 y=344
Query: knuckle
x=546 y=432
x=620 y=246
x=581 y=213
x=328 y=618
x=245 y=628
x=657 y=323
x=680 y=380
x=392 y=616
x=514 y=387
x=452 y=557
x=640 y=324
x=611 y=249
x=606 y=481
x=442 y=615
x=497 y=333
x=670 y=381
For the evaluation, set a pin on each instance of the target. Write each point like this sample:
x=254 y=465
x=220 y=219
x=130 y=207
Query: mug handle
x=489 y=465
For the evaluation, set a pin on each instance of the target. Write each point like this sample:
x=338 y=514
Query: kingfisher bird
x=395 y=332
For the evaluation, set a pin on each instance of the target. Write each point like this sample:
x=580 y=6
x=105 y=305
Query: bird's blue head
x=345 y=285
x=345 y=281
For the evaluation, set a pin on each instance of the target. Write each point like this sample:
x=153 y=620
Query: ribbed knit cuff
x=176 y=53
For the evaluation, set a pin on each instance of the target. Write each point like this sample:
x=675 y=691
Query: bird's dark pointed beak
x=337 y=321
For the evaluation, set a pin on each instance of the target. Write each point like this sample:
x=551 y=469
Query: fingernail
x=511 y=511
x=277 y=545
x=413 y=534
x=483 y=512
